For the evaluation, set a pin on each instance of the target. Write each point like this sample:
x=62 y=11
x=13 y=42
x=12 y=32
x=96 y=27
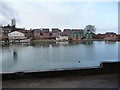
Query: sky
x=62 y=14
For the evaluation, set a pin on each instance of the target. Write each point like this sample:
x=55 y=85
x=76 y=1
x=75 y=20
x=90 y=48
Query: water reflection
x=56 y=55
x=47 y=44
x=57 y=44
x=14 y=55
x=15 y=44
x=110 y=42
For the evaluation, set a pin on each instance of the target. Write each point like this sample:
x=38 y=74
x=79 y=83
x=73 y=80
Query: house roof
x=77 y=30
x=15 y=32
x=66 y=30
x=110 y=33
x=56 y=30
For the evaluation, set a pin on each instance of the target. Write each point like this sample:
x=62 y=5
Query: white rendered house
x=61 y=38
x=16 y=36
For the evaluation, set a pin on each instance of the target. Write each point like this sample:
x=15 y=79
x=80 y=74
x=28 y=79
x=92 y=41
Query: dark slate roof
x=56 y=30
x=110 y=33
x=45 y=30
x=66 y=30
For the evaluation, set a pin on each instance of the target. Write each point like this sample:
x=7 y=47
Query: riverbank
x=38 y=41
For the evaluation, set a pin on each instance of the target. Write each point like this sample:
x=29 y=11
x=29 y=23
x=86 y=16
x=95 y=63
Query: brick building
x=110 y=36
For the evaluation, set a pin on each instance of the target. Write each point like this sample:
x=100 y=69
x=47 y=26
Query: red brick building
x=110 y=36
x=55 y=32
x=66 y=32
x=99 y=36
x=28 y=33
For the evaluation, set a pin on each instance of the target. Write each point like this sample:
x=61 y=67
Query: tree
x=8 y=26
x=13 y=28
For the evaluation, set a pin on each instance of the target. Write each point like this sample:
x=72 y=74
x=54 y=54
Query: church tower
x=13 y=22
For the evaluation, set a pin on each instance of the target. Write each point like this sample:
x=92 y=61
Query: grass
x=42 y=40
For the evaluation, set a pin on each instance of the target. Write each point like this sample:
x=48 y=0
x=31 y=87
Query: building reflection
x=15 y=55
x=44 y=44
x=13 y=48
x=80 y=42
x=57 y=44
x=54 y=44
x=110 y=42
x=88 y=42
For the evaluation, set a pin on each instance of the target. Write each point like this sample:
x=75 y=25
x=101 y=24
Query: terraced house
x=77 y=34
x=110 y=36
x=88 y=35
x=89 y=32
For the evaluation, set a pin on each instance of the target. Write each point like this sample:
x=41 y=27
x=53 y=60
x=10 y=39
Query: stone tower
x=13 y=22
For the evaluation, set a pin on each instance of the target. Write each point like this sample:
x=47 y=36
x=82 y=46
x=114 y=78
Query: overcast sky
x=61 y=14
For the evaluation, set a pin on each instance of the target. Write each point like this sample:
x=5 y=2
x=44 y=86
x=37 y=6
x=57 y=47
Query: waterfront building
x=6 y=30
x=37 y=33
x=27 y=33
x=45 y=30
x=110 y=36
x=88 y=35
x=41 y=34
x=56 y=32
x=1 y=34
x=16 y=36
x=1 y=31
x=89 y=32
x=118 y=36
x=62 y=38
x=77 y=34
x=4 y=33
x=66 y=32
x=99 y=36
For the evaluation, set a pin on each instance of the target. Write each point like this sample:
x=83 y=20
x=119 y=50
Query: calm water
x=57 y=55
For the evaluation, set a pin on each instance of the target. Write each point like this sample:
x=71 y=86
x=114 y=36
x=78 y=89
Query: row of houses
x=107 y=36
x=20 y=34
x=67 y=34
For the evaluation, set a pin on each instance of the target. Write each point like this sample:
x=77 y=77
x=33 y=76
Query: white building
x=62 y=38
x=16 y=36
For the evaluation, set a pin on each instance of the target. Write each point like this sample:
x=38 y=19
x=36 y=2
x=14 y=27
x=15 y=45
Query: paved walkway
x=93 y=81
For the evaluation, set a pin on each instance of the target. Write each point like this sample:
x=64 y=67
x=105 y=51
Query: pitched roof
x=15 y=32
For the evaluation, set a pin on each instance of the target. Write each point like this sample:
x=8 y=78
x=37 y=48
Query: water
x=56 y=55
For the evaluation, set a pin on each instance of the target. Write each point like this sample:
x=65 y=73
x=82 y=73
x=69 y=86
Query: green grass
x=42 y=40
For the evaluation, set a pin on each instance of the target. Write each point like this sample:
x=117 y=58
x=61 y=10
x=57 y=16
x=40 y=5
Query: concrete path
x=92 y=81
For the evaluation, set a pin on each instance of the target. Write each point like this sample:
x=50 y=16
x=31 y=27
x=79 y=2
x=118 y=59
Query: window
x=75 y=35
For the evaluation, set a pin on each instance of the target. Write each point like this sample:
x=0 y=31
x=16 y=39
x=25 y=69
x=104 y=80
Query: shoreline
x=104 y=68
x=37 y=41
